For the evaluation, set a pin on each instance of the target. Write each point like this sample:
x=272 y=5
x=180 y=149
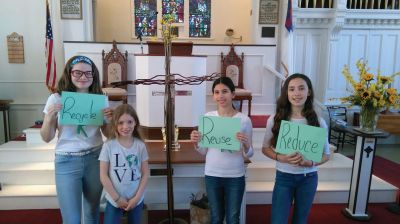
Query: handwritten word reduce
x=69 y=104
x=299 y=143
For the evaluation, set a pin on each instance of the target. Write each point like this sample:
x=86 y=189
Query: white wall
x=24 y=83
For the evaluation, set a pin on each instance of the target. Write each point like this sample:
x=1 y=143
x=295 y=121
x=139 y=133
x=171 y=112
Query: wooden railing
x=352 y=4
x=315 y=3
x=373 y=4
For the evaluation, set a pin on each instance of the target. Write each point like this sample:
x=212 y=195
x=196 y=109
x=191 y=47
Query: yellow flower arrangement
x=166 y=31
x=371 y=91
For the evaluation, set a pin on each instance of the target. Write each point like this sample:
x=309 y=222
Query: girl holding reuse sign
x=78 y=147
x=296 y=177
x=224 y=169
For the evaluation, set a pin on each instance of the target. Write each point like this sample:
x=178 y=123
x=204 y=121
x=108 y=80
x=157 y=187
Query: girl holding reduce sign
x=225 y=169
x=78 y=147
x=296 y=177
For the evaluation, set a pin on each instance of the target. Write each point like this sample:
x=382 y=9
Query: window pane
x=199 y=18
x=175 y=7
x=146 y=17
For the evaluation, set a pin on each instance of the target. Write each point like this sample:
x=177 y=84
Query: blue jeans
x=225 y=198
x=112 y=215
x=78 y=183
x=289 y=187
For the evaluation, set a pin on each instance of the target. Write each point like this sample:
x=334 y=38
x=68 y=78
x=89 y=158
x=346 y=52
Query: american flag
x=288 y=22
x=51 y=76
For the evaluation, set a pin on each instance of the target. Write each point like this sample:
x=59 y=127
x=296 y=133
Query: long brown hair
x=284 y=107
x=65 y=82
x=118 y=112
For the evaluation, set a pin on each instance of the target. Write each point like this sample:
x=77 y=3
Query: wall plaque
x=15 y=44
x=71 y=9
x=269 y=12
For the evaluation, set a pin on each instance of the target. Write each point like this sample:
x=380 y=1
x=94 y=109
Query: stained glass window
x=146 y=17
x=199 y=18
x=174 y=7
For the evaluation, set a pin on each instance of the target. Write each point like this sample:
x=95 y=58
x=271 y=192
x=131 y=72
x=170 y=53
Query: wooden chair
x=337 y=136
x=115 y=69
x=232 y=67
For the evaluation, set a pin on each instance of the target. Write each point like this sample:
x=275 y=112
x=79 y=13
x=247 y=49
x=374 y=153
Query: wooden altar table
x=186 y=154
x=389 y=122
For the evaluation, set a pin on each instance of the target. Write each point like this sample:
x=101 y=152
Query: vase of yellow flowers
x=372 y=93
x=368 y=118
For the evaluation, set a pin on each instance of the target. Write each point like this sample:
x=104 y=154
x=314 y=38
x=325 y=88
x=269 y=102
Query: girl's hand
x=305 y=162
x=53 y=111
x=108 y=112
x=294 y=158
x=122 y=203
x=242 y=138
x=195 y=136
x=132 y=203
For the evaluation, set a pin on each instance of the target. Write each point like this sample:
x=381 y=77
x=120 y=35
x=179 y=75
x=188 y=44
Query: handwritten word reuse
x=210 y=138
x=219 y=132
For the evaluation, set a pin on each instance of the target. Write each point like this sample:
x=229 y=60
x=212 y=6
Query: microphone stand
x=141 y=40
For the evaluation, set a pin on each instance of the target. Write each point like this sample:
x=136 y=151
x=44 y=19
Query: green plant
x=199 y=202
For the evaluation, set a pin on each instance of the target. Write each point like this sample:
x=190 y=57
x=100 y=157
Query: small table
x=361 y=173
x=5 y=107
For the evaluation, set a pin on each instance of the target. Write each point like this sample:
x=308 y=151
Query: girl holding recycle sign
x=224 y=169
x=296 y=177
x=77 y=169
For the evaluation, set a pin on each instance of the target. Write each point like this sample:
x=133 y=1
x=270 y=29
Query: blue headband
x=81 y=59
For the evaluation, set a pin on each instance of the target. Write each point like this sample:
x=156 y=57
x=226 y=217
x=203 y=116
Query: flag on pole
x=288 y=22
x=51 y=76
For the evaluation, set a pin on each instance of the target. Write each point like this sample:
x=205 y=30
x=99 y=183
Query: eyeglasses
x=78 y=74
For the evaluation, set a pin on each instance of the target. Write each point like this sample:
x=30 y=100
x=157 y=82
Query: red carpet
x=259 y=121
x=387 y=170
x=256 y=214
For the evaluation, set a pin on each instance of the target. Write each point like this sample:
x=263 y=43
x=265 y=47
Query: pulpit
x=190 y=100
x=177 y=49
x=357 y=206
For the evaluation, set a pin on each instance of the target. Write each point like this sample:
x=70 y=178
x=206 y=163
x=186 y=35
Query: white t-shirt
x=68 y=138
x=228 y=163
x=286 y=167
x=124 y=166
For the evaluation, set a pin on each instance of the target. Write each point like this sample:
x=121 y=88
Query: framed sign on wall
x=71 y=9
x=269 y=12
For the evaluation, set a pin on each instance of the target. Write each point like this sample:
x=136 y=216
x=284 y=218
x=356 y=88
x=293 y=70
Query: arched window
x=199 y=18
x=146 y=18
x=175 y=7
x=192 y=18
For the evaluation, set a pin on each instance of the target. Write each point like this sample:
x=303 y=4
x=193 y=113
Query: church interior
x=259 y=43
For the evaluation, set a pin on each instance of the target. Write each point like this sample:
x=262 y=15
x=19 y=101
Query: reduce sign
x=305 y=139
